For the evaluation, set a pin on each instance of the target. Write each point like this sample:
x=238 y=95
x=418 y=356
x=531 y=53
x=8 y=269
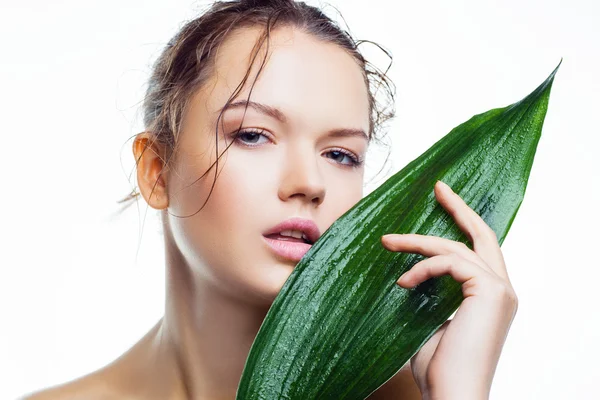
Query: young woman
x=258 y=117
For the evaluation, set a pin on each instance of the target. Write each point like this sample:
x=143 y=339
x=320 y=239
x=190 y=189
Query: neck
x=207 y=332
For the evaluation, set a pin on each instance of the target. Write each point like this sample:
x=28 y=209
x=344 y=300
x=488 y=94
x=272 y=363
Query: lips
x=288 y=249
x=287 y=238
x=306 y=226
x=292 y=248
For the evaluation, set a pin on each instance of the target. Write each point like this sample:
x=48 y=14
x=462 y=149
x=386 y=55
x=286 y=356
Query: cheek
x=246 y=181
x=344 y=194
x=238 y=194
x=239 y=180
x=219 y=240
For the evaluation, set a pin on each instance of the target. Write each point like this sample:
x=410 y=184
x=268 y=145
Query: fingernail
x=402 y=279
x=445 y=185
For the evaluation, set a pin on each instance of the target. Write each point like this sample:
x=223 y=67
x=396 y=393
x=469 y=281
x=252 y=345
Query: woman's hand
x=459 y=360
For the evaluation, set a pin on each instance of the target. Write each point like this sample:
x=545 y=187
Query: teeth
x=296 y=234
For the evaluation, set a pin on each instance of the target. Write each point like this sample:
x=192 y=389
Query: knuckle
x=429 y=269
x=454 y=258
x=492 y=235
x=480 y=231
x=452 y=261
x=502 y=291
x=419 y=248
x=514 y=300
x=483 y=231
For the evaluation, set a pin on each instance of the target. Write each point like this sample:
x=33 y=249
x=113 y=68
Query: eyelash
x=355 y=161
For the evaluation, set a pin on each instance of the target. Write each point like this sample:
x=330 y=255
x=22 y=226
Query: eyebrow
x=277 y=114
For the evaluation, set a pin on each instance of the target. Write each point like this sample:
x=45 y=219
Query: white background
x=73 y=295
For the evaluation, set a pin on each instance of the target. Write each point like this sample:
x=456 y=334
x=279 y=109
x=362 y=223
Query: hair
x=187 y=62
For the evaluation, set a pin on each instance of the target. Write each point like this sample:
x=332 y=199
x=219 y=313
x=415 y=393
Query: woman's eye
x=353 y=161
x=250 y=137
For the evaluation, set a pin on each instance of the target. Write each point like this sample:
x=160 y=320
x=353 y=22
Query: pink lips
x=293 y=250
x=287 y=249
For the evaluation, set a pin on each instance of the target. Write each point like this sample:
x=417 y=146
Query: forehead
x=311 y=81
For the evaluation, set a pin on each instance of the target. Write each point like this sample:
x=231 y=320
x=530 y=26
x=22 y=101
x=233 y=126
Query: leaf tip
x=543 y=89
x=551 y=77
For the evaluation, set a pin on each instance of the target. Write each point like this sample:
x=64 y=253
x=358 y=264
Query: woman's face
x=293 y=170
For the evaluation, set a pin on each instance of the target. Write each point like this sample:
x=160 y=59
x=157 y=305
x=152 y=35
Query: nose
x=301 y=177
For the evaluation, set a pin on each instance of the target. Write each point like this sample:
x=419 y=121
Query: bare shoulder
x=113 y=381
x=93 y=386
x=400 y=386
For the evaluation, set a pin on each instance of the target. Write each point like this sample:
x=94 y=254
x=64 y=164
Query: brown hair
x=187 y=62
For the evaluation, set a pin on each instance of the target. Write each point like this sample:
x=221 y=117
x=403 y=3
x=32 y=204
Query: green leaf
x=341 y=326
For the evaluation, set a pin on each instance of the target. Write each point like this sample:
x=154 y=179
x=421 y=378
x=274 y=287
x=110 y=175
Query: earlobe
x=149 y=156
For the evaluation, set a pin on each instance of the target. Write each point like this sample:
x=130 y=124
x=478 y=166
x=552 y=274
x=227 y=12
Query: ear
x=149 y=155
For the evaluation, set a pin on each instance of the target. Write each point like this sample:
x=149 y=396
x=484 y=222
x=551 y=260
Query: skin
x=221 y=277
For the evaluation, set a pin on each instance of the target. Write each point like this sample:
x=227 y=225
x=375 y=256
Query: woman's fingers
x=474 y=280
x=460 y=269
x=485 y=242
x=486 y=253
x=430 y=246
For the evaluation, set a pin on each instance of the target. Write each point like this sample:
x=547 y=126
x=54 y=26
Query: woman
x=260 y=113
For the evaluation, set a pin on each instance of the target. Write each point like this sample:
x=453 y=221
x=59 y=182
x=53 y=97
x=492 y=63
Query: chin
x=269 y=282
